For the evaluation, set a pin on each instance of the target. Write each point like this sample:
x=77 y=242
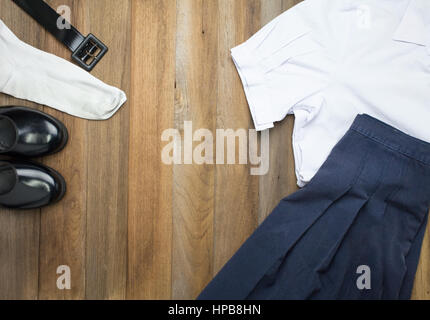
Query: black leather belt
x=86 y=51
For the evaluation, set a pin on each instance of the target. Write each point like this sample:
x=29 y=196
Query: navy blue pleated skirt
x=354 y=232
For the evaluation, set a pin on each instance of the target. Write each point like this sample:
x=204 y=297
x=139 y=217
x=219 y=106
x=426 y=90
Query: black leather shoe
x=29 y=185
x=30 y=133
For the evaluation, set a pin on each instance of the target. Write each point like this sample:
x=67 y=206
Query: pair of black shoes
x=28 y=133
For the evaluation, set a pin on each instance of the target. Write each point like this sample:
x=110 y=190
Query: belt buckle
x=89 y=52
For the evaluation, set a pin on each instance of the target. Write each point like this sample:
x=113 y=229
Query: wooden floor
x=131 y=227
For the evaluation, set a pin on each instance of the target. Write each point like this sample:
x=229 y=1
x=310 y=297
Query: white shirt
x=325 y=61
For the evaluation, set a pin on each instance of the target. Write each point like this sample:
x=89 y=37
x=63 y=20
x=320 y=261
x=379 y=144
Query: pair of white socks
x=31 y=74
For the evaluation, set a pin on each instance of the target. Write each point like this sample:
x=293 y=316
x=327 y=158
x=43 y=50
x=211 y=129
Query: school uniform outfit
x=326 y=61
x=356 y=75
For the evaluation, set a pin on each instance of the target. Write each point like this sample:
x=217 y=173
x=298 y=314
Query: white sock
x=31 y=74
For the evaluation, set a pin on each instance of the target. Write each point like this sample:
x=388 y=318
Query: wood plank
x=236 y=190
x=19 y=230
x=63 y=225
x=19 y=245
x=150 y=182
x=107 y=149
x=193 y=184
x=422 y=280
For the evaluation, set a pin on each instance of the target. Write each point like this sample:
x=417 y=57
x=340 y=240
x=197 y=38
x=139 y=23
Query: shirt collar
x=415 y=25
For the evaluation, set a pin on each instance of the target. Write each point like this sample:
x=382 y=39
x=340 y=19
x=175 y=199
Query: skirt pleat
x=354 y=232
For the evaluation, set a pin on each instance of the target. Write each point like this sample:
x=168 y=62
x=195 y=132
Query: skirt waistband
x=392 y=138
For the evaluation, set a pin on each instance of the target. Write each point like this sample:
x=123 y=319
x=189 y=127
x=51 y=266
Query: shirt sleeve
x=273 y=63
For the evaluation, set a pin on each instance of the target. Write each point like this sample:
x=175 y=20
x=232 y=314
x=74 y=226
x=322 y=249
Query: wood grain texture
x=193 y=184
x=107 y=148
x=130 y=226
x=150 y=181
x=422 y=280
x=236 y=190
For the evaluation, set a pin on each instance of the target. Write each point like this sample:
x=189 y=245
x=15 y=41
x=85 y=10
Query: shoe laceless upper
x=28 y=185
x=30 y=133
